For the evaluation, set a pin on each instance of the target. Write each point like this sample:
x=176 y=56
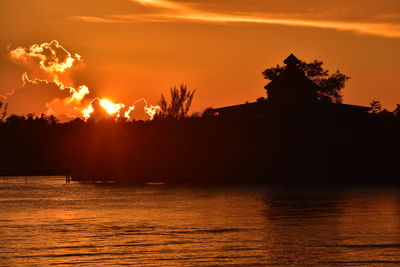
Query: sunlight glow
x=127 y=113
x=79 y=94
x=55 y=60
x=148 y=109
x=110 y=107
x=151 y=110
x=87 y=111
x=52 y=57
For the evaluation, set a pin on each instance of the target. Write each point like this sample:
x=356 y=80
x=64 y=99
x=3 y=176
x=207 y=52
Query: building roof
x=292 y=60
x=290 y=91
x=292 y=80
x=255 y=105
x=292 y=84
x=267 y=109
x=240 y=107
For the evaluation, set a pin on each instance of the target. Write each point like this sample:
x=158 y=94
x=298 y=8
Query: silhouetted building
x=292 y=85
x=291 y=93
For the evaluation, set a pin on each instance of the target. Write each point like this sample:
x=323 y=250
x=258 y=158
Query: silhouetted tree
x=179 y=105
x=209 y=112
x=47 y=119
x=330 y=84
x=376 y=106
x=16 y=120
x=261 y=99
x=384 y=113
x=396 y=112
x=4 y=111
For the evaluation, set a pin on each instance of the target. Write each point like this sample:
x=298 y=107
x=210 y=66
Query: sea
x=45 y=221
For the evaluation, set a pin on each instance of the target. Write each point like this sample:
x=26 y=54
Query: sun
x=110 y=107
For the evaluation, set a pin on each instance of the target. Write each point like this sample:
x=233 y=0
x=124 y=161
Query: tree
x=209 y=112
x=3 y=114
x=179 y=105
x=16 y=120
x=376 y=106
x=396 y=112
x=261 y=99
x=330 y=84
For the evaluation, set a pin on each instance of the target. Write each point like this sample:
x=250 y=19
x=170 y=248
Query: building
x=292 y=93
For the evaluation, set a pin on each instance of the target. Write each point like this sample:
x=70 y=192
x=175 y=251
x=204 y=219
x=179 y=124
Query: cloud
x=141 y=109
x=162 y=4
x=33 y=96
x=96 y=19
x=99 y=109
x=379 y=29
x=50 y=57
x=49 y=96
x=172 y=11
x=52 y=97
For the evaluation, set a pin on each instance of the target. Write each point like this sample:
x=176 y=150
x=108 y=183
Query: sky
x=126 y=50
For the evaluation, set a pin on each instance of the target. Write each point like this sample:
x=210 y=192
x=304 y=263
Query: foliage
x=261 y=99
x=179 y=105
x=31 y=120
x=4 y=112
x=384 y=113
x=204 y=150
x=209 y=112
x=396 y=112
x=376 y=106
x=330 y=84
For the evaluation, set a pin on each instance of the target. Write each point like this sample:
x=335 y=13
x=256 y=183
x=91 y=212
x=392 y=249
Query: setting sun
x=199 y=132
x=110 y=107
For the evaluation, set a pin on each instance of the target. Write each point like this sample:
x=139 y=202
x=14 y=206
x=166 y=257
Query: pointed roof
x=292 y=83
x=292 y=60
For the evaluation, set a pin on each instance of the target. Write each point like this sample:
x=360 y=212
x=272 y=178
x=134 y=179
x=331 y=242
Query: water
x=44 y=221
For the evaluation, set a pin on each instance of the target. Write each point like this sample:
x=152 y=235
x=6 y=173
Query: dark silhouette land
x=301 y=134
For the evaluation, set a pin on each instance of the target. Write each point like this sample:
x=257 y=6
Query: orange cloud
x=51 y=57
x=178 y=12
x=162 y=4
x=150 y=110
x=102 y=108
x=96 y=19
x=52 y=97
x=33 y=96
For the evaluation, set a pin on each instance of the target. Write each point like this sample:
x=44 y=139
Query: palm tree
x=179 y=105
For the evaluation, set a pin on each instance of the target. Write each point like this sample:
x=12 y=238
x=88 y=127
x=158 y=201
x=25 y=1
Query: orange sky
x=139 y=48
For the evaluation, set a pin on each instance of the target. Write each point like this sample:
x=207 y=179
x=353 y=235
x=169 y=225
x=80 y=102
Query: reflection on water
x=44 y=221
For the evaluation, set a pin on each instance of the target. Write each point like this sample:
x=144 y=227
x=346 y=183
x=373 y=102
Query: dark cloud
x=33 y=96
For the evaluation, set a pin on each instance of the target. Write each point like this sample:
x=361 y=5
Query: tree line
x=177 y=147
